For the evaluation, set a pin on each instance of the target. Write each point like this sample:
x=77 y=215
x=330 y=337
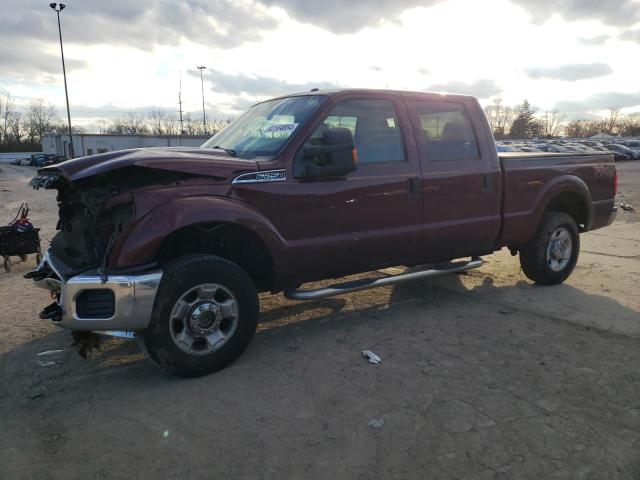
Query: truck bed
x=532 y=180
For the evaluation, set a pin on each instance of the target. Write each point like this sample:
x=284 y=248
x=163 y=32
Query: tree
x=631 y=125
x=525 y=125
x=612 y=125
x=499 y=117
x=6 y=113
x=132 y=124
x=551 y=123
x=39 y=120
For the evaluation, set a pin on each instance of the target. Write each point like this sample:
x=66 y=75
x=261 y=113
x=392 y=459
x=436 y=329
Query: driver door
x=368 y=219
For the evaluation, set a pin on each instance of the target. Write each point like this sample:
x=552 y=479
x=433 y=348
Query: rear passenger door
x=461 y=179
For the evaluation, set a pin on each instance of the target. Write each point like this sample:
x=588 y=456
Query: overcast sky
x=580 y=56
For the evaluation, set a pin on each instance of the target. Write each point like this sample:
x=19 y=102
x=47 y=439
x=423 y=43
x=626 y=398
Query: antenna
x=180 y=104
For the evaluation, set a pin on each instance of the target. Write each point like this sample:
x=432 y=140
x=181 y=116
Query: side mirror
x=336 y=157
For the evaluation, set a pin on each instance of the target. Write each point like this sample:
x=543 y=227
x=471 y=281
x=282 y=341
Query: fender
x=141 y=240
x=519 y=227
x=564 y=184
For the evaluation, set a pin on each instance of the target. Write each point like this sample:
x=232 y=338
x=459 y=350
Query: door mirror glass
x=334 y=156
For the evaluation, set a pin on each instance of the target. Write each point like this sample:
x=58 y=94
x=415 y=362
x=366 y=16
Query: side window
x=374 y=126
x=447 y=131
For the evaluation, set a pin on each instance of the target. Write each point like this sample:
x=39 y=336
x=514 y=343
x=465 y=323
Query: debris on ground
x=85 y=342
x=49 y=358
x=507 y=310
x=626 y=207
x=376 y=423
x=371 y=357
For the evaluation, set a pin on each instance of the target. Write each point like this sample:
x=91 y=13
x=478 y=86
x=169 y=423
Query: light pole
x=58 y=7
x=204 y=116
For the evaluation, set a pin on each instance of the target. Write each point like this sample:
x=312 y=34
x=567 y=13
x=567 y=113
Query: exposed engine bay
x=94 y=211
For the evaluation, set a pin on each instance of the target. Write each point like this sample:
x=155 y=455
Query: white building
x=90 y=144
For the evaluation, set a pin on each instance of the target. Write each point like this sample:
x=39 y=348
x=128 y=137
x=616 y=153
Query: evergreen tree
x=525 y=125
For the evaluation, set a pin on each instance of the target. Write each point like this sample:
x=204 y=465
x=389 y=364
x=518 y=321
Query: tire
x=7 y=265
x=546 y=259
x=23 y=258
x=197 y=293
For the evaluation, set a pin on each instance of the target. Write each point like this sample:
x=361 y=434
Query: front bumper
x=121 y=302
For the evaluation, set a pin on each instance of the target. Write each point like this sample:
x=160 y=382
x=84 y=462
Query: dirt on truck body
x=174 y=244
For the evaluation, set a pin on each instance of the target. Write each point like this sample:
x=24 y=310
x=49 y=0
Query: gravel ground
x=484 y=375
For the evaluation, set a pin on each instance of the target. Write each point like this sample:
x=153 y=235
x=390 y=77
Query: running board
x=366 y=283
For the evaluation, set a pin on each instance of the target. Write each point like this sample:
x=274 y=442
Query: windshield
x=265 y=128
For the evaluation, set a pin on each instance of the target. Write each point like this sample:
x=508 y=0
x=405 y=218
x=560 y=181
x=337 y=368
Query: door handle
x=487 y=182
x=414 y=188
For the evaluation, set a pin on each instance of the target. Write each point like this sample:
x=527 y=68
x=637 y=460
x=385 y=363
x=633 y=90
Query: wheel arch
x=151 y=237
x=567 y=194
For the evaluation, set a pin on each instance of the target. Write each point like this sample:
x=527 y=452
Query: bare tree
x=631 y=125
x=6 y=112
x=552 y=123
x=39 y=120
x=500 y=117
x=612 y=124
x=15 y=130
x=132 y=124
x=156 y=122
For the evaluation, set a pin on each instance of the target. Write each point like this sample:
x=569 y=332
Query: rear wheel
x=7 y=264
x=552 y=254
x=205 y=315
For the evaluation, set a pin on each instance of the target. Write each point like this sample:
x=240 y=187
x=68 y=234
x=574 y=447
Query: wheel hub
x=204 y=318
x=559 y=249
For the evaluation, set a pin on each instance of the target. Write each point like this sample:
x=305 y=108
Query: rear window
x=446 y=131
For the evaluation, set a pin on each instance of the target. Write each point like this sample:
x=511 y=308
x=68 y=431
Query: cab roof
x=338 y=91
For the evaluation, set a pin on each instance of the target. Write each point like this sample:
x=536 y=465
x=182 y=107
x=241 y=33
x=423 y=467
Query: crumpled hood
x=197 y=161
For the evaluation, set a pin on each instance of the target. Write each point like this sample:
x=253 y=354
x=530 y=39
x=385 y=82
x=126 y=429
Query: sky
x=577 y=56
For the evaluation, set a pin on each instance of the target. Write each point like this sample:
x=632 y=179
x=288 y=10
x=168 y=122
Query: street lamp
x=58 y=7
x=204 y=117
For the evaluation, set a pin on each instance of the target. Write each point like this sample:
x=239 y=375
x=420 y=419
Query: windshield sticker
x=281 y=128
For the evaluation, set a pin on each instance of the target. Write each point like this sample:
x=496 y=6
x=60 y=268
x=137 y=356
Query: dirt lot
x=484 y=376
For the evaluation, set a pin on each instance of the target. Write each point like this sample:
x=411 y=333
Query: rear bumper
x=604 y=213
x=127 y=307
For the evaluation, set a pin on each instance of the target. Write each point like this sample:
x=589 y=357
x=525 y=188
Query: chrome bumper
x=133 y=298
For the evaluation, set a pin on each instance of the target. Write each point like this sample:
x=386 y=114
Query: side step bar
x=365 y=283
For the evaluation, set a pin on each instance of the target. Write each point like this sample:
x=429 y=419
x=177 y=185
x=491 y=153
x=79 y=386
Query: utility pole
x=180 y=104
x=204 y=116
x=58 y=8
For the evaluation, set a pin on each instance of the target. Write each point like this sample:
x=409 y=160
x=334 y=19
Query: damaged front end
x=101 y=200
x=94 y=213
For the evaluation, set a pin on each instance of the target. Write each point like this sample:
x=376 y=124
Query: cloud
x=341 y=17
x=593 y=41
x=571 y=72
x=376 y=68
x=630 y=35
x=600 y=101
x=256 y=86
x=483 y=88
x=620 y=13
x=141 y=24
x=25 y=60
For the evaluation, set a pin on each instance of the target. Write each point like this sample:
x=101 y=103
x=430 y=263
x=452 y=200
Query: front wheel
x=552 y=254
x=204 y=317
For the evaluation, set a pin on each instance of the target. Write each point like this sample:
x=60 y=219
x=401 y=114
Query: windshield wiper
x=230 y=151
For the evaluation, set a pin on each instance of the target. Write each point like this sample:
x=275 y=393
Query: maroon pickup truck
x=175 y=244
